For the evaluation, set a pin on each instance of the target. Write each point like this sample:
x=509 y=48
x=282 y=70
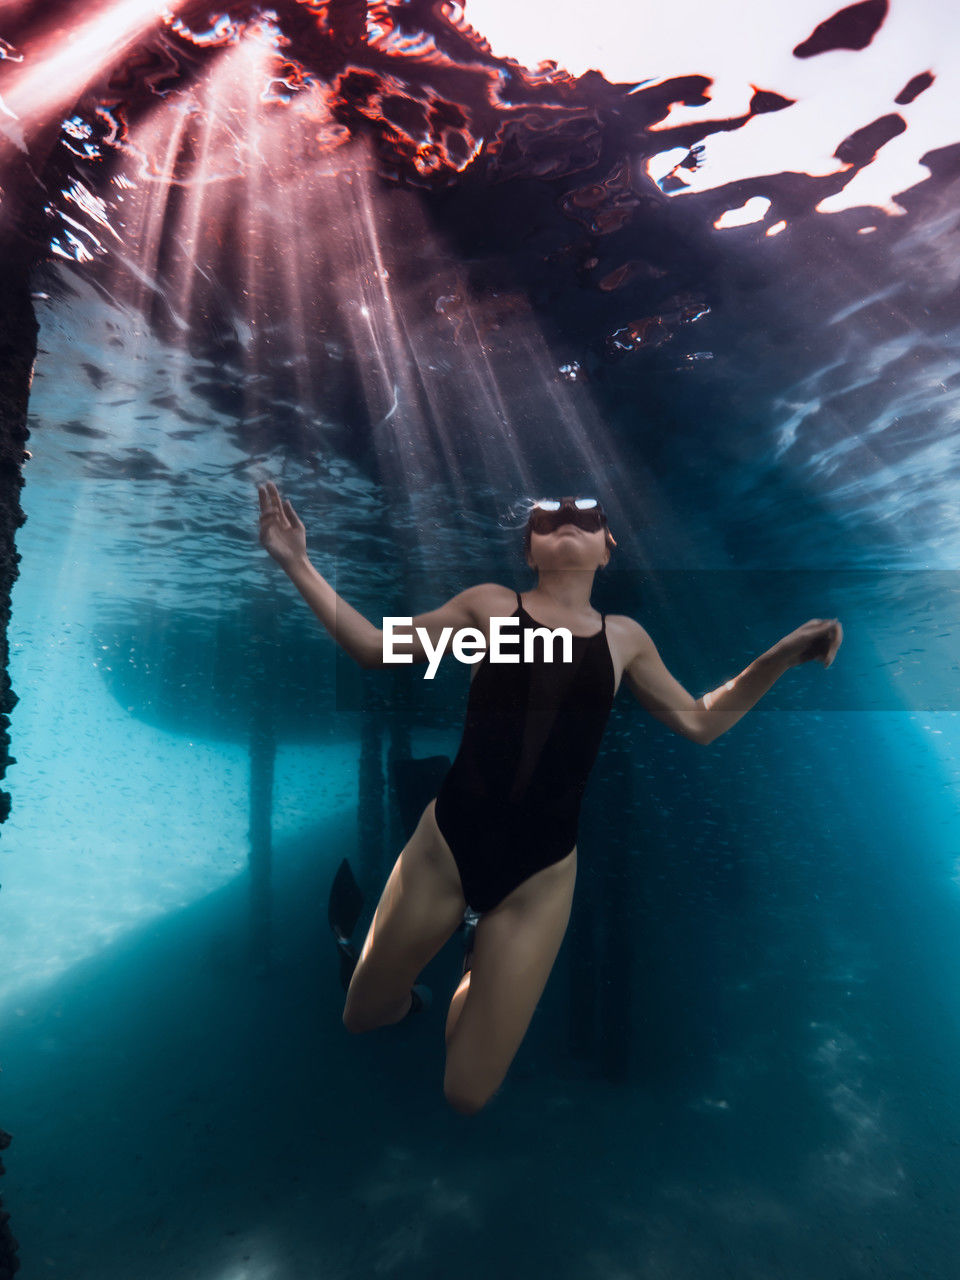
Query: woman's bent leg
x=420 y=907
x=514 y=950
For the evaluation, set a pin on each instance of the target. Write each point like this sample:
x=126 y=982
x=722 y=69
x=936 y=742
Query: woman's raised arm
x=657 y=690
x=472 y=607
x=705 y=718
x=283 y=536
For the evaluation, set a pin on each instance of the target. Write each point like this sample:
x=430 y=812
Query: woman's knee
x=465 y=1093
x=360 y=1016
x=465 y=1102
x=355 y=1021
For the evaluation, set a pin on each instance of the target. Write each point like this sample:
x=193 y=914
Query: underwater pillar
x=584 y=942
x=18 y=350
x=400 y=748
x=603 y=933
x=618 y=894
x=370 y=786
x=582 y=954
x=263 y=756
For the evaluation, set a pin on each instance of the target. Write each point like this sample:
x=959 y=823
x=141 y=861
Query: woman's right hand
x=282 y=533
x=817 y=640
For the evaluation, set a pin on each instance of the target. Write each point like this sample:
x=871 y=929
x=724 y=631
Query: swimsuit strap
x=603 y=616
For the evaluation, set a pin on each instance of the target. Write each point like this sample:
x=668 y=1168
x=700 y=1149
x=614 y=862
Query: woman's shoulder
x=494 y=597
x=628 y=627
x=630 y=635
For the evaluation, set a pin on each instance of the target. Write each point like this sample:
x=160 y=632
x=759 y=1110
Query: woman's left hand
x=818 y=639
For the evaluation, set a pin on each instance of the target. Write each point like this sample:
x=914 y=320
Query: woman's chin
x=570 y=560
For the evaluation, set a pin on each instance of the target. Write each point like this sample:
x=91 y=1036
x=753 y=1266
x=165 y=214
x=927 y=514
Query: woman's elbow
x=699 y=731
x=370 y=656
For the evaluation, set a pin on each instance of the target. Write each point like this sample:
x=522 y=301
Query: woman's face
x=568 y=547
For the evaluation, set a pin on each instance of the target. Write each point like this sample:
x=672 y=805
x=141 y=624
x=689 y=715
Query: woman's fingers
x=834 y=645
x=839 y=640
x=271 y=504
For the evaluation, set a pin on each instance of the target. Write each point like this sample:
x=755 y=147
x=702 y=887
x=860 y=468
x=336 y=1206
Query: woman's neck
x=566 y=588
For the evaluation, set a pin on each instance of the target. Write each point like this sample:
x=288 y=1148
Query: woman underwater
x=500 y=836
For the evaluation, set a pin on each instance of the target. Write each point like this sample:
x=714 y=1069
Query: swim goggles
x=549 y=513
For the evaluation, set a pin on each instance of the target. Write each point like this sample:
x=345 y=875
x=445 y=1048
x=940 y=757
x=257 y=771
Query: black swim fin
x=346 y=901
x=343 y=912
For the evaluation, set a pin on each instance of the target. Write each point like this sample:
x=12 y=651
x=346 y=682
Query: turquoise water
x=743 y=1064
x=751 y=1028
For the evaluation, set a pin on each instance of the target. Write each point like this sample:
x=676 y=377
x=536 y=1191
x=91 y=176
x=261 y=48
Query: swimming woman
x=500 y=836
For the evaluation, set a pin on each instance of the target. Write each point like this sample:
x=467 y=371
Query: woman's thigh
x=514 y=950
x=421 y=905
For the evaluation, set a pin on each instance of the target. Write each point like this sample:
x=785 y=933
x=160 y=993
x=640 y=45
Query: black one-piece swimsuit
x=510 y=803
